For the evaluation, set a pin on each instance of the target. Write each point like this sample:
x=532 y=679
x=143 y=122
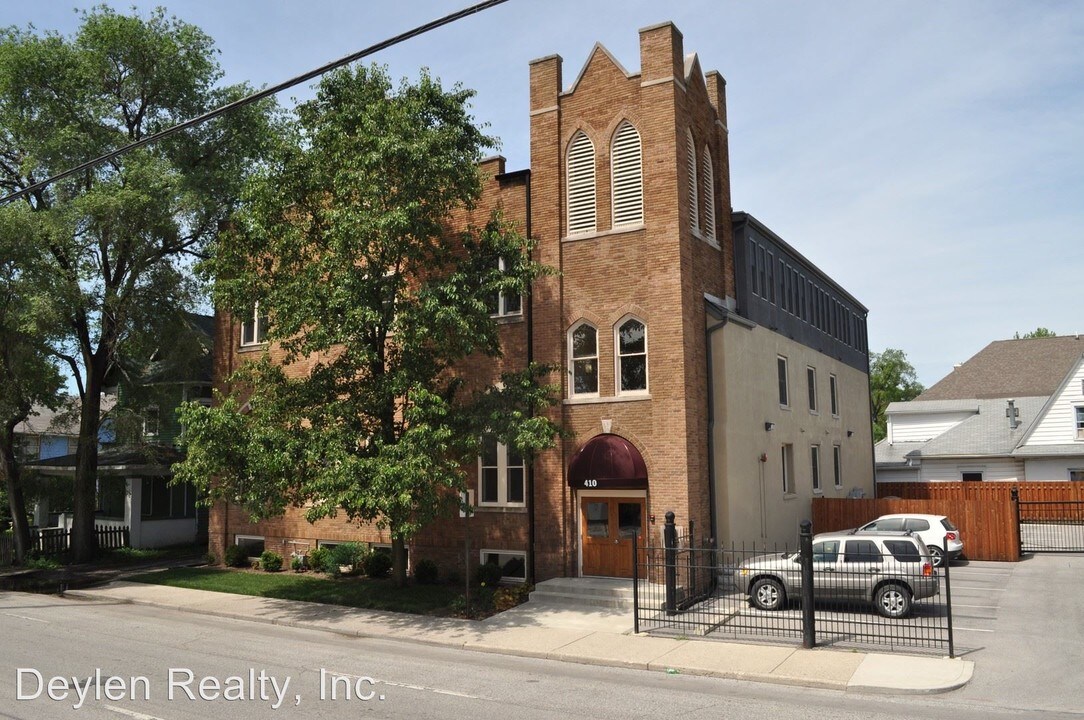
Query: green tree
x=891 y=379
x=118 y=239
x=28 y=375
x=1039 y=332
x=343 y=242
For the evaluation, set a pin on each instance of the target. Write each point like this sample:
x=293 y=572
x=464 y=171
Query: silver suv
x=885 y=568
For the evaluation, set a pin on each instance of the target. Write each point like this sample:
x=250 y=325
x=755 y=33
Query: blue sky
x=928 y=155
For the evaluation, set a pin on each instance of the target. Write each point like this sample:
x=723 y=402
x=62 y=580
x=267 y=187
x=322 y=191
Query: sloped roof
x=917 y=407
x=987 y=432
x=1011 y=369
x=62 y=421
x=887 y=453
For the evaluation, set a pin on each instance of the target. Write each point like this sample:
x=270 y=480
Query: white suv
x=936 y=531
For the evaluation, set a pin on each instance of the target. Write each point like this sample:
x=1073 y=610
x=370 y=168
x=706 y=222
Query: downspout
x=711 y=431
x=530 y=575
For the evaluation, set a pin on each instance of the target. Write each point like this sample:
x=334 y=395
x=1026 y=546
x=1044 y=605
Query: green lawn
x=351 y=592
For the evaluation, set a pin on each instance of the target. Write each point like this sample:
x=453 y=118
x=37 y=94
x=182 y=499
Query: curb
x=559 y=654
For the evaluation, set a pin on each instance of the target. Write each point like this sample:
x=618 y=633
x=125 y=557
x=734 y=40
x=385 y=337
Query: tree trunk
x=398 y=561
x=20 y=528
x=84 y=539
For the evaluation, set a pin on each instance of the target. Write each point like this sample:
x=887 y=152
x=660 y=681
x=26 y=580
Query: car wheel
x=767 y=594
x=936 y=554
x=893 y=601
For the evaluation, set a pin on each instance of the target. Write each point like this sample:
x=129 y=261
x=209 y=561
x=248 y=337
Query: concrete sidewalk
x=593 y=637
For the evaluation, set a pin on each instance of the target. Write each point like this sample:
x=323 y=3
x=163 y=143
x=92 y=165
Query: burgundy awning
x=608 y=462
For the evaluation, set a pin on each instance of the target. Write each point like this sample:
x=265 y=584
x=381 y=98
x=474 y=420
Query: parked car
x=941 y=537
x=888 y=569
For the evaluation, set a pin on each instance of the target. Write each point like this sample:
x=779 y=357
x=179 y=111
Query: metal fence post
x=636 y=581
x=669 y=536
x=948 y=602
x=805 y=550
x=1014 y=495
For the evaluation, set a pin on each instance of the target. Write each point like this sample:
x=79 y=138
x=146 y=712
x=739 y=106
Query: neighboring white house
x=1014 y=412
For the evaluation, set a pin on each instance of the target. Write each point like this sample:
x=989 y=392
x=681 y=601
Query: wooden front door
x=608 y=526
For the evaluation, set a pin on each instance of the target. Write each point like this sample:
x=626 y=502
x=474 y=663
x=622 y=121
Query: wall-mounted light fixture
x=850 y=432
x=769 y=426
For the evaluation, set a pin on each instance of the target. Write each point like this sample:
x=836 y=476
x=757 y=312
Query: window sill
x=603 y=233
x=498 y=509
x=788 y=496
x=509 y=319
x=252 y=348
x=704 y=238
x=610 y=399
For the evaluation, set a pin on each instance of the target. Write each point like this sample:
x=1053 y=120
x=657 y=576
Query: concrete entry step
x=585 y=592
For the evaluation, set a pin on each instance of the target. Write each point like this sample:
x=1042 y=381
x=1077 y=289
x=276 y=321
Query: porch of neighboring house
x=134 y=493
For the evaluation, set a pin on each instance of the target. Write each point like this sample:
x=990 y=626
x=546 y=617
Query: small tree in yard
x=343 y=243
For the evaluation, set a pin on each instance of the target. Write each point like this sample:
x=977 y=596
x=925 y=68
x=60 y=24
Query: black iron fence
x=1050 y=525
x=853 y=593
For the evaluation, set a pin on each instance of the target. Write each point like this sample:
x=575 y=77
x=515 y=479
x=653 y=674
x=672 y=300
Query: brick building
x=707 y=367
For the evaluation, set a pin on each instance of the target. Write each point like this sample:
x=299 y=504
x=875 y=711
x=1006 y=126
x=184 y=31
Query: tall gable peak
x=599 y=53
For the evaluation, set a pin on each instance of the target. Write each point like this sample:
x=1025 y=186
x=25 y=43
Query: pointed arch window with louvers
x=694 y=194
x=708 y=176
x=628 y=181
x=581 y=185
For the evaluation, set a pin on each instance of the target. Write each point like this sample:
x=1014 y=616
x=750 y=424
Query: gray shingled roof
x=915 y=407
x=886 y=453
x=988 y=432
x=1011 y=368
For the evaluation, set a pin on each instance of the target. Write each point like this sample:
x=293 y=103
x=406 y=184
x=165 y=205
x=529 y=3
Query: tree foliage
x=891 y=379
x=1039 y=332
x=28 y=375
x=344 y=243
x=117 y=240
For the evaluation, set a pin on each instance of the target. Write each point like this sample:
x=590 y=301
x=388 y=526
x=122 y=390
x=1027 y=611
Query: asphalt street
x=227 y=668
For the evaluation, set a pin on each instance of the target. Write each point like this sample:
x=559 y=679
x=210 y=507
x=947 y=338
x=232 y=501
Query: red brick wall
x=658 y=272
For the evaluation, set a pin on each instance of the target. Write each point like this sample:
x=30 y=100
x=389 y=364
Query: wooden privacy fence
x=986 y=524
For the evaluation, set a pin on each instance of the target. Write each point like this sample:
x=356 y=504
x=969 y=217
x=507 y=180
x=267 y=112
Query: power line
x=249 y=99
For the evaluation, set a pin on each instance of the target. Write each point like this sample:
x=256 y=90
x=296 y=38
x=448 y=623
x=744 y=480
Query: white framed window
x=833 y=394
x=581 y=185
x=151 y=421
x=502 y=305
x=837 y=465
x=630 y=340
x=815 y=467
x=501 y=474
x=787 y=457
x=583 y=360
x=512 y=562
x=694 y=193
x=254 y=328
x=626 y=165
x=1079 y=411
x=811 y=381
x=708 y=177
x=784 y=388
x=971 y=475
x=1076 y=474
x=253 y=544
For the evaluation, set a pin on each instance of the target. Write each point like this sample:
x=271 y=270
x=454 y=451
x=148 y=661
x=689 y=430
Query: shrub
x=271 y=561
x=349 y=555
x=210 y=558
x=378 y=565
x=426 y=572
x=318 y=558
x=297 y=563
x=236 y=556
x=506 y=598
x=489 y=574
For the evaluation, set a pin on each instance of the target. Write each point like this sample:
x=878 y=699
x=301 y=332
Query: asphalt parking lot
x=977 y=589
